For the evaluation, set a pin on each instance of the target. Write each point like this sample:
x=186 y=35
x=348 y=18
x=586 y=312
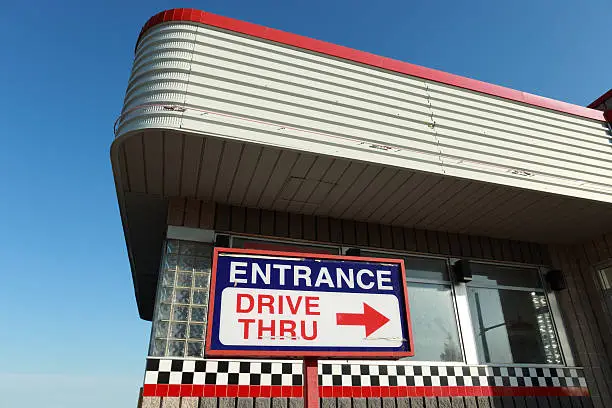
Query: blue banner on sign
x=264 y=303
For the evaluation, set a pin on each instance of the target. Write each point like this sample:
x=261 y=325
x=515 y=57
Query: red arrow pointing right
x=371 y=319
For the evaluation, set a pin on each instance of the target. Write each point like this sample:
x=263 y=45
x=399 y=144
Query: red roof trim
x=366 y=58
x=601 y=99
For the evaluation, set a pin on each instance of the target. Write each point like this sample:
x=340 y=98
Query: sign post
x=270 y=304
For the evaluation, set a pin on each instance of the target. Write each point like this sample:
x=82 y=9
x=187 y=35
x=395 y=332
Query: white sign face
x=287 y=318
x=269 y=303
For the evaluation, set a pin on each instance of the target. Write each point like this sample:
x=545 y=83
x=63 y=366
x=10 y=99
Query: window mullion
x=465 y=324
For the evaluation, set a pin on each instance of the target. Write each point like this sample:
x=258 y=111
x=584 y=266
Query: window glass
x=283 y=246
x=432 y=311
x=418 y=268
x=181 y=304
x=605 y=277
x=434 y=327
x=511 y=325
x=491 y=274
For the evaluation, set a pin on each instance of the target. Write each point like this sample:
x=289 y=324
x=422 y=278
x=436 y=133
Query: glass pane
x=170 y=262
x=161 y=329
x=202 y=264
x=158 y=348
x=196 y=331
x=178 y=330
x=180 y=313
x=172 y=246
x=434 y=327
x=513 y=327
x=182 y=295
x=201 y=280
x=490 y=274
x=279 y=246
x=176 y=348
x=186 y=263
x=184 y=279
x=168 y=278
x=163 y=312
x=198 y=314
x=419 y=268
x=194 y=349
x=200 y=297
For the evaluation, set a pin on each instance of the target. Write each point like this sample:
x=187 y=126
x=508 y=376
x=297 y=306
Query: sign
x=269 y=303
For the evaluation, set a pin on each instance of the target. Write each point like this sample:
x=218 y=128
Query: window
x=511 y=317
x=181 y=305
x=283 y=246
x=432 y=310
x=605 y=278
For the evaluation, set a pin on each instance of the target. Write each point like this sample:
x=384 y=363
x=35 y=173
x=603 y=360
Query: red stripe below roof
x=366 y=58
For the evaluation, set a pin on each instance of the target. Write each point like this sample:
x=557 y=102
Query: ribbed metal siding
x=248 y=89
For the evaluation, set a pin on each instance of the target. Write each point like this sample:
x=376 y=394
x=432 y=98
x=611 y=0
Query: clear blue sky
x=70 y=335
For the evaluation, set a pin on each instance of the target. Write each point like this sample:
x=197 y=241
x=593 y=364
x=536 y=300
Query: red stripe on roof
x=366 y=58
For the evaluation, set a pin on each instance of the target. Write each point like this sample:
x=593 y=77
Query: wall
x=194 y=213
x=208 y=81
x=586 y=317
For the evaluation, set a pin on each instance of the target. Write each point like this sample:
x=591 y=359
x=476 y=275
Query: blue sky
x=70 y=333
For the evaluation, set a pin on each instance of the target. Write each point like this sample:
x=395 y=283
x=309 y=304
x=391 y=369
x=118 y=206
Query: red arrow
x=371 y=319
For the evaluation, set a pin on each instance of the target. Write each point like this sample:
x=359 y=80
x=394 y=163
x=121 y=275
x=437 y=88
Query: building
x=233 y=134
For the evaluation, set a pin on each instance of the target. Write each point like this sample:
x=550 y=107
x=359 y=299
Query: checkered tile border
x=289 y=373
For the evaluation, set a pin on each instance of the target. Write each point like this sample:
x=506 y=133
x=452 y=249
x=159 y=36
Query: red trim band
x=296 y=391
x=366 y=58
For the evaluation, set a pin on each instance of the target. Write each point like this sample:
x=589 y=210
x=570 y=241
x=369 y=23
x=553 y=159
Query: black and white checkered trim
x=410 y=375
x=222 y=372
x=161 y=371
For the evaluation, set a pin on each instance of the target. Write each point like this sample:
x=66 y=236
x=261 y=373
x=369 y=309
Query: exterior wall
x=197 y=214
x=587 y=318
x=204 y=80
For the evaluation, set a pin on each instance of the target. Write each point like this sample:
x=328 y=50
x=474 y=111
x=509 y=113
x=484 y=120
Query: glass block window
x=511 y=316
x=181 y=304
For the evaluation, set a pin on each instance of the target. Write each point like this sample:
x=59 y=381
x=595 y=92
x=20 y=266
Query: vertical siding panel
x=455 y=245
x=374 y=235
x=421 y=241
x=267 y=222
x=281 y=224
x=506 y=251
x=135 y=164
x=192 y=213
x=444 y=244
x=360 y=230
x=386 y=237
x=295 y=226
x=515 y=247
x=153 y=153
x=335 y=231
x=433 y=245
x=536 y=253
x=310 y=227
x=176 y=211
x=323 y=233
x=252 y=221
x=398 y=237
x=222 y=219
x=348 y=232
x=192 y=160
x=485 y=246
x=238 y=219
x=173 y=153
x=475 y=246
x=496 y=246
x=410 y=239
x=207 y=215
x=466 y=249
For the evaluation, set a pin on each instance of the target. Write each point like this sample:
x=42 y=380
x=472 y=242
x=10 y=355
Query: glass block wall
x=181 y=303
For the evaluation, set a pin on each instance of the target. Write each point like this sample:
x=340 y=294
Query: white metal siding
x=242 y=88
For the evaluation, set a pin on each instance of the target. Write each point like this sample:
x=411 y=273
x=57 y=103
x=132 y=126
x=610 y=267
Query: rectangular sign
x=269 y=303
